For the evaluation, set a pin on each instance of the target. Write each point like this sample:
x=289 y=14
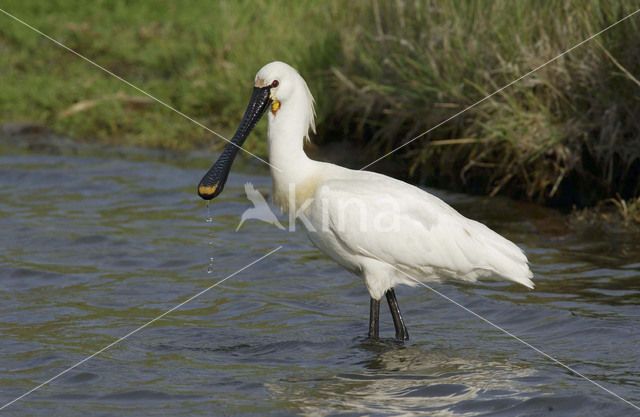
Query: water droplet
x=208 y=218
x=211 y=240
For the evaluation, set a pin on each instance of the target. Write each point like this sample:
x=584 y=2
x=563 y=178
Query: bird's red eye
x=274 y=83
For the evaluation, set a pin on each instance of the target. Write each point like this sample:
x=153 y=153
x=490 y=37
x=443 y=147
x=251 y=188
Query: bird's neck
x=292 y=170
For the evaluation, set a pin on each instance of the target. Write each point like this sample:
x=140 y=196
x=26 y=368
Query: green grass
x=382 y=72
x=198 y=56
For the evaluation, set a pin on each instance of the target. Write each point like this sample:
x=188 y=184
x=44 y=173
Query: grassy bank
x=200 y=57
x=568 y=134
x=382 y=73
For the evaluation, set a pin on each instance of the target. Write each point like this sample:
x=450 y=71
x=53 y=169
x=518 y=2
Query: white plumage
x=392 y=227
x=375 y=226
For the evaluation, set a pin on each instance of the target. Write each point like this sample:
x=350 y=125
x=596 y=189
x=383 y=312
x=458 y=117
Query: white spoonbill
x=384 y=230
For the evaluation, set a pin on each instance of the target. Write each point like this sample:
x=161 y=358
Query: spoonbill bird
x=384 y=230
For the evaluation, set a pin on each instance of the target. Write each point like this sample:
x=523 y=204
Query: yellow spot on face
x=207 y=189
x=275 y=106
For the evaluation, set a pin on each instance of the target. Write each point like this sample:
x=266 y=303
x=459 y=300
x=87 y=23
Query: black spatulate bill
x=212 y=184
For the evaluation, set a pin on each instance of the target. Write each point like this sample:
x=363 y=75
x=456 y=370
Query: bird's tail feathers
x=511 y=263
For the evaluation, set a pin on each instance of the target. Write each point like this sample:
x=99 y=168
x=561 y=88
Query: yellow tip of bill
x=207 y=189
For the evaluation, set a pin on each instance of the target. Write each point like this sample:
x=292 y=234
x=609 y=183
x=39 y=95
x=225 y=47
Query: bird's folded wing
x=405 y=226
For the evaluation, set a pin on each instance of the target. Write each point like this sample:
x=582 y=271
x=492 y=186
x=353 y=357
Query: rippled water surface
x=95 y=244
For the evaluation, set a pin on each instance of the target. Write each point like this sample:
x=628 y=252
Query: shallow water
x=97 y=243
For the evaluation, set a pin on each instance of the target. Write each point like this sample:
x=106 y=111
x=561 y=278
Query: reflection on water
x=412 y=381
x=94 y=246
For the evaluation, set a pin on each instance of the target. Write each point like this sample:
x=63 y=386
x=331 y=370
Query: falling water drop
x=210 y=266
x=210 y=240
x=208 y=218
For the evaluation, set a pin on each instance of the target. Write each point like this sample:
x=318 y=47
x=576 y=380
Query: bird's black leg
x=374 y=315
x=398 y=322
